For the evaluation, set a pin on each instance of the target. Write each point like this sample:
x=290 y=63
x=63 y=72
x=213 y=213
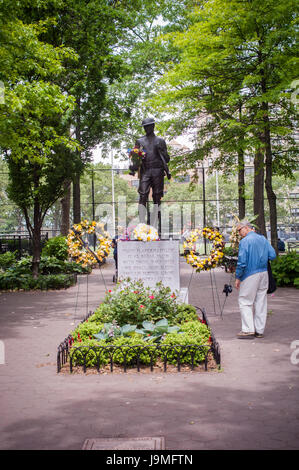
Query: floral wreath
x=145 y=233
x=80 y=251
x=216 y=254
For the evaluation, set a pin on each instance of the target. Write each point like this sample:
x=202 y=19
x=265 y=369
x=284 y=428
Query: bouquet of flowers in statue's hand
x=137 y=154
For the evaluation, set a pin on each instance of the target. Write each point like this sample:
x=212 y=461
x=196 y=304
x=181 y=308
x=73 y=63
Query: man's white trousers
x=253 y=302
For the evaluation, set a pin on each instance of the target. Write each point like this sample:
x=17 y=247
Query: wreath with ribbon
x=216 y=253
x=79 y=249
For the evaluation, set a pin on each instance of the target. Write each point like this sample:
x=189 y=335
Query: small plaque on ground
x=125 y=443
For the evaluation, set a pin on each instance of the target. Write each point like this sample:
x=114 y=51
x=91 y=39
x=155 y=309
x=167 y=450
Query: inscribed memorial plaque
x=151 y=262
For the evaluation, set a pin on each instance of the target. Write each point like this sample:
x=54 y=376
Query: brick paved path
x=252 y=403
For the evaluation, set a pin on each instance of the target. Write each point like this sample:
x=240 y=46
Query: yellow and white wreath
x=216 y=253
x=145 y=233
x=80 y=251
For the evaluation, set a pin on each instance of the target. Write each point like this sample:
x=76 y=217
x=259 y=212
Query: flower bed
x=139 y=327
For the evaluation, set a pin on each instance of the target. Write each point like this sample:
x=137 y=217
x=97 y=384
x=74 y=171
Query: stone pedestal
x=151 y=262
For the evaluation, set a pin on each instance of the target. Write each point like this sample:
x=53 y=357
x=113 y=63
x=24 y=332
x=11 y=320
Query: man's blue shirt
x=254 y=253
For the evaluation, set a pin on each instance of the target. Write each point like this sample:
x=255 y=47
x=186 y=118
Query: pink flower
x=141 y=306
x=151 y=297
x=172 y=295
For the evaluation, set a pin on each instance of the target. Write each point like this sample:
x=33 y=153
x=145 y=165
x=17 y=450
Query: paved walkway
x=252 y=403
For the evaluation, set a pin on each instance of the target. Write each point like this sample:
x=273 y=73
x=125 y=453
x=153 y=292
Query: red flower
x=141 y=306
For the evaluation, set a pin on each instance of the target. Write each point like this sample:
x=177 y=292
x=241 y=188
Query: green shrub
x=11 y=280
x=133 y=303
x=156 y=331
x=186 y=312
x=54 y=273
x=8 y=259
x=193 y=333
x=86 y=330
x=51 y=265
x=57 y=247
x=122 y=349
x=81 y=353
x=55 y=281
x=72 y=267
x=22 y=266
x=285 y=269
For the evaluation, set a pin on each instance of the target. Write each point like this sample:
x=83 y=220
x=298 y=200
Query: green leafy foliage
x=57 y=247
x=112 y=330
x=285 y=269
x=10 y=280
x=7 y=259
x=133 y=303
x=54 y=273
x=156 y=331
x=193 y=333
x=122 y=349
x=186 y=312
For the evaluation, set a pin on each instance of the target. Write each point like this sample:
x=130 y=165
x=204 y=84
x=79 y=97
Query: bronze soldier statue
x=152 y=170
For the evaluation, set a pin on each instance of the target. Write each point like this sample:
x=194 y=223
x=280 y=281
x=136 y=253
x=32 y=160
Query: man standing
x=252 y=280
x=152 y=170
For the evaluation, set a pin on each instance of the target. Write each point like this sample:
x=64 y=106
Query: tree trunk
x=36 y=239
x=36 y=242
x=268 y=180
x=65 y=210
x=271 y=195
x=76 y=181
x=36 y=228
x=76 y=200
x=258 y=191
x=241 y=184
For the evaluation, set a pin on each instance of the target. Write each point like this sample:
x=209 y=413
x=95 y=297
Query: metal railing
x=19 y=242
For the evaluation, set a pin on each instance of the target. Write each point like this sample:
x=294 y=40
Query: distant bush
x=54 y=273
x=10 y=280
x=56 y=247
x=285 y=269
x=7 y=259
